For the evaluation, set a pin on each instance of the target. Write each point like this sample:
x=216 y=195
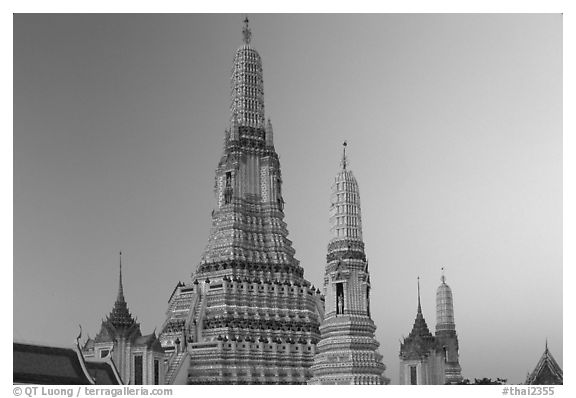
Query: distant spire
x=120 y=287
x=120 y=316
x=419 y=306
x=420 y=327
x=444 y=308
x=344 y=161
x=246 y=31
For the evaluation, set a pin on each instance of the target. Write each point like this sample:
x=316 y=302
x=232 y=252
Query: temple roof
x=38 y=364
x=547 y=370
x=41 y=364
x=103 y=372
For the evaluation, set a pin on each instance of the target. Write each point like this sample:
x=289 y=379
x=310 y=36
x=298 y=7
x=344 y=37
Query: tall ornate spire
x=348 y=350
x=248 y=252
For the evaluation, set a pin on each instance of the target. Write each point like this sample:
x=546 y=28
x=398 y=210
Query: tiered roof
x=120 y=321
x=420 y=341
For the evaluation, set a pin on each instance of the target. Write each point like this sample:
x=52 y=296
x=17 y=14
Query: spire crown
x=344 y=161
x=247 y=84
x=345 y=212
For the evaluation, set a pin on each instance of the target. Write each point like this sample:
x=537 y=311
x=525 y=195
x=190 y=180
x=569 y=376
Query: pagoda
x=247 y=316
x=347 y=352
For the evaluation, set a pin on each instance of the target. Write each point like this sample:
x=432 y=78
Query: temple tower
x=347 y=351
x=446 y=332
x=247 y=316
x=419 y=360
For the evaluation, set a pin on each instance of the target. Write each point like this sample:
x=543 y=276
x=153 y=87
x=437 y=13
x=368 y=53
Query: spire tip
x=246 y=31
x=419 y=306
x=344 y=162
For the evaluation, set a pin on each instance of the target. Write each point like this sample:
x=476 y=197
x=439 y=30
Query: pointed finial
x=120 y=287
x=344 y=159
x=246 y=31
x=443 y=278
x=419 y=306
x=546 y=343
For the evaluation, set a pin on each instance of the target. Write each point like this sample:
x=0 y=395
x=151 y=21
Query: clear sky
x=454 y=126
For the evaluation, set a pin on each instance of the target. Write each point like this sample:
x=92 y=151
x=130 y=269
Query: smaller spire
x=419 y=306
x=246 y=31
x=344 y=161
x=269 y=134
x=420 y=327
x=120 y=287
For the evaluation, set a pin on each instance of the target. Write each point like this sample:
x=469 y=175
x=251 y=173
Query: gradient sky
x=454 y=126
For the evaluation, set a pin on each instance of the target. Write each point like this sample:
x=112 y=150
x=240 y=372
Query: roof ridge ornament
x=246 y=31
x=79 y=336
